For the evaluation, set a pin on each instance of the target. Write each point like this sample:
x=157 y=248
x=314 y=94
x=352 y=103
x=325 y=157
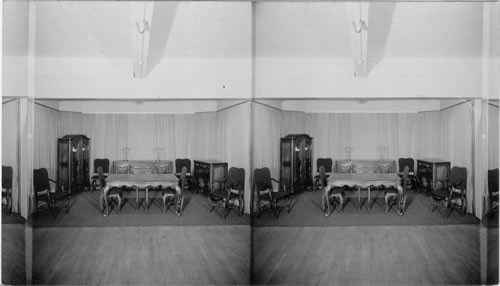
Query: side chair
x=266 y=196
x=45 y=196
x=393 y=195
x=334 y=194
x=7 y=174
x=231 y=197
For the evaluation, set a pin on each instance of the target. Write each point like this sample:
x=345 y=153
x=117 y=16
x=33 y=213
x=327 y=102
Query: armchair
x=232 y=195
x=327 y=200
x=114 y=193
x=170 y=195
x=185 y=163
x=104 y=165
x=411 y=182
x=7 y=188
x=454 y=196
x=43 y=194
x=327 y=164
x=266 y=196
x=392 y=193
x=493 y=190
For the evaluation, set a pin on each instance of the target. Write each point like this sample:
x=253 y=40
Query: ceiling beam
x=357 y=17
x=142 y=18
x=152 y=24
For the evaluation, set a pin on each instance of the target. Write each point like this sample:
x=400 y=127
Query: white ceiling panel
x=180 y=29
x=395 y=29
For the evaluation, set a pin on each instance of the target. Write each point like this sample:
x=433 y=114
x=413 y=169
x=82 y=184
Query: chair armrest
x=279 y=182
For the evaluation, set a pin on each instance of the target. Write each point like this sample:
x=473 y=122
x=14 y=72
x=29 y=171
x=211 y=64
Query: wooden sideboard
x=365 y=166
x=432 y=174
x=143 y=167
x=206 y=172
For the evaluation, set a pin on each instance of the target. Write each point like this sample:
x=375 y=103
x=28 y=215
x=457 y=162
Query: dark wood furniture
x=232 y=196
x=44 y=196
x=361 y=181
x=143 y=167
x=433 y=174
x=454 y=196
x=207 y=173
x=267 y=196
x=7 y=173
x=362 y=166
x=73 y=153
x=296 y=162
x=142 y=181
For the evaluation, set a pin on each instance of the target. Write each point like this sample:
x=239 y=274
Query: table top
x=113 y=179
x=210 y=161
x=363 y=180
x=433 y=160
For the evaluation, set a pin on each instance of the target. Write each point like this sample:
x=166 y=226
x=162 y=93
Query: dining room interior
x=157 y=142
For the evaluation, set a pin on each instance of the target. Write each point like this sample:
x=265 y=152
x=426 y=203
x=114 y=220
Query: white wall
x=361 y=106
x=15 y=48
x=138 y=106
x=278 y=77
x=94 y=78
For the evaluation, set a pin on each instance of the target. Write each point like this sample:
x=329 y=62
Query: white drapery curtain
x=10 y=138
x=45 y=130
x=233 y=133
x=397 y=135
x=456 y=145
x=493 y=128
x=266 y=138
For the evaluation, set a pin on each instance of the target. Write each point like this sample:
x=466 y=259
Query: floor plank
x=367 y=255
x=142 y=255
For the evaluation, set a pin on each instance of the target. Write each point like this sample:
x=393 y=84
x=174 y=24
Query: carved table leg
x=359 y=197
x=325 y=199
x=369 y=201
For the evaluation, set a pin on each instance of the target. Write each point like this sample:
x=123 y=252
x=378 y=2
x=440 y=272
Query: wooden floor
x=367 y=255
x=166 y=255
x=142 y=255
x=13 y=254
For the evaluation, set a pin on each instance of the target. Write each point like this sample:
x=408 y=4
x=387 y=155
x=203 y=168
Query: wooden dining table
x=360 y=181
x=139 y=182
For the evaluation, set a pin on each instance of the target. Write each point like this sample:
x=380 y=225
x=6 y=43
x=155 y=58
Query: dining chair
x=230 y=197
x=267 y=197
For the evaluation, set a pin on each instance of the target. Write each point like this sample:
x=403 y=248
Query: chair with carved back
x=189 y=181
x=230 y=197
x=327 y=164
x=266 y=196
x=453 y=197
x=7 y=174
x=44 y=196
x=412 y=178
x=104 y=165
x=395 y=196
x=492 y=191
x=334 y=194
x=170 y=196
x=114 y=194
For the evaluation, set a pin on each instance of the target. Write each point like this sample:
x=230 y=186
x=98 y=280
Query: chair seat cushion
x=336 y=191
x=280 y=195
x=440 y=194
x=58 y=195
x=218 y=194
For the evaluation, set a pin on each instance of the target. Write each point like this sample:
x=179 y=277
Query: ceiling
x=224 y=29
x=204 y=49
